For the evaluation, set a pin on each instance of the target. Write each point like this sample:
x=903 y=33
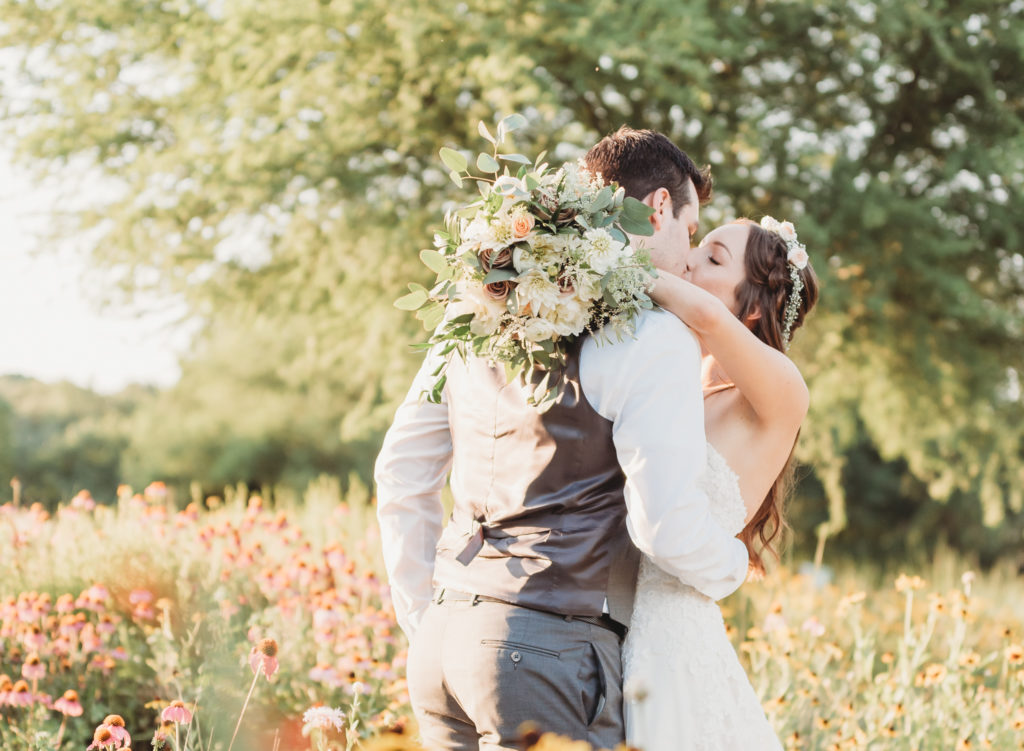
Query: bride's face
x=717 y=264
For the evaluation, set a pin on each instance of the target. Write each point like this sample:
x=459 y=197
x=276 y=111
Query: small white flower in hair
x=797 y=256
x=788 y=231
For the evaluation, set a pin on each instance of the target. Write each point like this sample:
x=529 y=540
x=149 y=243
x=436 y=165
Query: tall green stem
x=242 y=713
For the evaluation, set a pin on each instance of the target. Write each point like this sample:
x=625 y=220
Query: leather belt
x=604 y=620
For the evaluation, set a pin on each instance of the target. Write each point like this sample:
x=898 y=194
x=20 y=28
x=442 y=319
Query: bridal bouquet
x=541 y=257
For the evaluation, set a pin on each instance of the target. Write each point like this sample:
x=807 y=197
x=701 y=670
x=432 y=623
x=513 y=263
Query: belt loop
x=475 y=600
x=440 y=596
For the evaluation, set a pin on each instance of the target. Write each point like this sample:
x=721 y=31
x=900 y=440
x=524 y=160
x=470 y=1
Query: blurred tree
x=278 y=169
x=64 y=439
x=6 y=446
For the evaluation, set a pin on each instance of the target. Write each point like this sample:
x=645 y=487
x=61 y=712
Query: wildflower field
x=240 y=623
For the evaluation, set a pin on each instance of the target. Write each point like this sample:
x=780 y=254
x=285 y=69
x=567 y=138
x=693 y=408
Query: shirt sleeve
x=410 y=474
x=649 y=387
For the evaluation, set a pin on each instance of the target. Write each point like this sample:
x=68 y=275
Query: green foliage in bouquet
x=540 y=258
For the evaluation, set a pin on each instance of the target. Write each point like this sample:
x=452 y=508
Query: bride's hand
x=660 y=286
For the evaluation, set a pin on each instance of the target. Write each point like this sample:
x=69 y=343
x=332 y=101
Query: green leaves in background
x=891 y=134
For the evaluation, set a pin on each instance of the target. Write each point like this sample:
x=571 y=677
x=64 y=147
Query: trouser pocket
x=593 y=685
x=516 y=648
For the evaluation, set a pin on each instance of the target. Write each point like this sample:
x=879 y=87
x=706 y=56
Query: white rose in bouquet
x=604 y=251
x=536 y=293
x=570 y=316
x=538 y=329
x=487 y=311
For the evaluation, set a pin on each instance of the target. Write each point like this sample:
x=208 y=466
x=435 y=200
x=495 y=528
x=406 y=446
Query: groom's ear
x=661 y=201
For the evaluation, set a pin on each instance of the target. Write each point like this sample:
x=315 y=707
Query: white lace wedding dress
x=686 y=689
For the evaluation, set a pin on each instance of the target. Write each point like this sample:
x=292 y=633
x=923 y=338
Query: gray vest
x=539 y=515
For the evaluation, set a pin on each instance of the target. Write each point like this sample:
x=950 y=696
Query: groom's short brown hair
x=641 y=161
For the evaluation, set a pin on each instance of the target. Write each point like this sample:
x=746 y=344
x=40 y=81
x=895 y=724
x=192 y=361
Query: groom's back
x=539 y=515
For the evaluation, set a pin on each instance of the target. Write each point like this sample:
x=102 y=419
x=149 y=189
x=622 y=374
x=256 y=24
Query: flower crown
x=797 y=257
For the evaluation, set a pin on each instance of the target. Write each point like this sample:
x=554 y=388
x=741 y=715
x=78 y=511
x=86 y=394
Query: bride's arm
x=766 y=377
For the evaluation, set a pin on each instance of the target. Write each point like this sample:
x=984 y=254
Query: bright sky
x=49 y=327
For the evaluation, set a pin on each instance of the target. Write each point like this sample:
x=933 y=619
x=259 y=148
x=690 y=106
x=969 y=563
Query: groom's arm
x=650 y=388
x=410 y=474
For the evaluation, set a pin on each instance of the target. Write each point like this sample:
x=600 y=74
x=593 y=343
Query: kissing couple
x=588 y=544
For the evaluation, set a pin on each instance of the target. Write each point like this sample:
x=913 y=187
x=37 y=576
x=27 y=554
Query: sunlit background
x=55 y=325
x=207 y=209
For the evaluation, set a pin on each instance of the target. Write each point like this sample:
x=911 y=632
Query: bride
x=745 y=290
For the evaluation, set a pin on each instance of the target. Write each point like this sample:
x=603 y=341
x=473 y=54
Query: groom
x=515 y=610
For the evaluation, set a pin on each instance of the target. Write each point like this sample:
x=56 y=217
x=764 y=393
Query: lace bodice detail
x=723 y=488
x=678 y=654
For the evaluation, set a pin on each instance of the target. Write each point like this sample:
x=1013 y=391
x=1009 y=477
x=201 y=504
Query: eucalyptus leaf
x=500 y=275
x=482 y=129
x=635 y=209
x=517 y=158
x=636 y=226
x=487 y=163
x=542 y=387
x=412 y=301
x=602 y=200
x=455 y=177
x=515 y=121
x=432 y=316
x=547 y=402
x=453 y=160
x=434 y=261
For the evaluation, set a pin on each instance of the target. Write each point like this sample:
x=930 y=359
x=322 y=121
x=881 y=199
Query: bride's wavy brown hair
x=762 y=298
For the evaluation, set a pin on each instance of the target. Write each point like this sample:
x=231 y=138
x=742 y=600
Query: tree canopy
x=276 y=163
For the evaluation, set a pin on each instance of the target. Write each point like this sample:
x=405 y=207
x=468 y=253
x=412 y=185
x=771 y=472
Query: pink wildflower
x=263 y=658
x=813 y=626
x=156 y=491
x=140 y=595
x=33 y=669
x=176 y=712
x=35 y=638
x=68 y=704
x=6 y=686
x=83 y=500
x=102 y=738
x=20 y=695
x=114 y=724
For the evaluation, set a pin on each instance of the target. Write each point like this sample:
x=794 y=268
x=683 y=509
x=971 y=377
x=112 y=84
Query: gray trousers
x=478 y=671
